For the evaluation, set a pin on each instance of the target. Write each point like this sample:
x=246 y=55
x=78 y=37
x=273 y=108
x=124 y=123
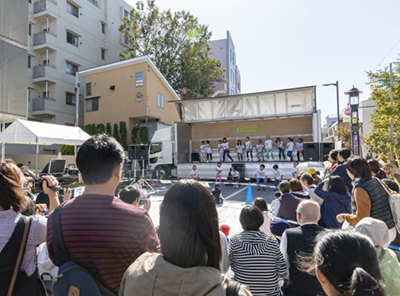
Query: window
x=103 y=54
x=158 y=100
x=92 y=105
x=70 y=99
x=71 y=69
x=72 y=9
x=162 y=101
x=120 y=126
x=46 y=94
x=126 y=13
x=139 y=79
x=72 y=39
x=155 y=148
x=29 y=62
x=103 y=28
x=126 y=40
x=94 y=2
x=88 y=89
x=30 y=30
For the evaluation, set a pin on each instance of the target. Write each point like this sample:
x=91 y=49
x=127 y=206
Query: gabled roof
x=130 y=62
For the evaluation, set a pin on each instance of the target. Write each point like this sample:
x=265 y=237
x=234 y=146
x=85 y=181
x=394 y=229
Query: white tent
x=38 y=133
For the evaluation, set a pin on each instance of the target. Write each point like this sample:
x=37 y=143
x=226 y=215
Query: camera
x=143 y=201
x=45 y=211
x=39 y=185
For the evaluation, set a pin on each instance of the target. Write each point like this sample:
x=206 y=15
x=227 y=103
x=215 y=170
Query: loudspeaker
x=240 y=168
x=325 y=149
x=195 y=156
x=311 y=152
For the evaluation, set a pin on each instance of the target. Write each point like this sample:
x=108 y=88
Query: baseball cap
x=311 y=171
x=225 y=229
x=278 y=227
x=375 y=229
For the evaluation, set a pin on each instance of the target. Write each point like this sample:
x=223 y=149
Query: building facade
x=224 y=50
x=67 y=36
x=132 y=91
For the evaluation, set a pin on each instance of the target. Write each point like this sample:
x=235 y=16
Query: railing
x=40 y=71
x=40 y=38
x=40 y=6
x=39 y=104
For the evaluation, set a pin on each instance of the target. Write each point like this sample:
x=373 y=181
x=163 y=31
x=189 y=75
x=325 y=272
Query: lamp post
x=354 y=100
x=337 y=104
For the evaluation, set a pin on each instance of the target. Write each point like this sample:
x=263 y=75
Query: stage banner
x=247 y=128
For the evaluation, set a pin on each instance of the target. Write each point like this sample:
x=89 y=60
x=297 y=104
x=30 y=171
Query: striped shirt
x=104 y=235
x=257 y=261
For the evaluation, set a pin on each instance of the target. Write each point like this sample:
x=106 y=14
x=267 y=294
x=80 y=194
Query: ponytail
x=363 y=284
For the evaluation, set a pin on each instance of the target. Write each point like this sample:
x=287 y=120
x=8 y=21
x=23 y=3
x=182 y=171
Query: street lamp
x=337 y=104
x=354 y=100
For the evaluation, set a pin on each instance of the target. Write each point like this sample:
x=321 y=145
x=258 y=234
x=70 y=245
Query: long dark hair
x=376 y=169
x=11 y=193
x=188 y=230
x=336 y=184
x=359 y=167
x=348 y=260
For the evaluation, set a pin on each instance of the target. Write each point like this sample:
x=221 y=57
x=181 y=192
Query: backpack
x=394 y=204
x=233 y=288
x=72 y=279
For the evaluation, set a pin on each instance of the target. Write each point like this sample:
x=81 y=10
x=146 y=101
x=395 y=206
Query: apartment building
x=67 y=36
x=224 y=50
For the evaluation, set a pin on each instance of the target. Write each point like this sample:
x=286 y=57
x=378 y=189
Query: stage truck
x=281 y=113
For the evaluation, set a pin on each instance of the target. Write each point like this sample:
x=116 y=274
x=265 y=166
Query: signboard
x=247 y=128
x=346 y=119
x=347 y=111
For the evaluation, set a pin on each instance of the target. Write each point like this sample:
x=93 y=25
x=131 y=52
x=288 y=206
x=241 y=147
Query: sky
x=292 y=43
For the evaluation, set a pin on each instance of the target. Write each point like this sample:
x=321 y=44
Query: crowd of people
x=320 y=237
x=245 y=151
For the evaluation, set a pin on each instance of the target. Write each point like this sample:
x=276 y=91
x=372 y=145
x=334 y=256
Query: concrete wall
x=365 y=110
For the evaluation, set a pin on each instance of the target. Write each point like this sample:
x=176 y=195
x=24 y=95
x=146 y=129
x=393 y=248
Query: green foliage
x=177 y=44
x=108 y=129
x=67 y=150
x=134 y=134
x=144 y=134
x=116 y=132
x=100 y=128
x=124 y=135
x=72 y=185
x=379 y=140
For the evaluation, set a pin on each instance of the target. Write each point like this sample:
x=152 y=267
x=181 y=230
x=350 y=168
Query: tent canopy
x=29 y=132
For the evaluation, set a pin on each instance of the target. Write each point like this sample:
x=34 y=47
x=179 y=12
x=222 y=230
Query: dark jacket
x=288 y=206
x=341 y=171
x=333 y=205
x=217 y=195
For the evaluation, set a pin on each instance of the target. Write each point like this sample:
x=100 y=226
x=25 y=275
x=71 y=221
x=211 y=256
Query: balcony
x=43 y=41
x=39 y=104
x=45 y=73
x=44 y=9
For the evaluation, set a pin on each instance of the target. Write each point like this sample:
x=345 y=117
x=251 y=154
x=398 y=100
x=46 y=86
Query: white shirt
x=259 y=147
x=220 y=147
x=143 y=192
x=280 y=144
x=218 y=170
x=294 y=172
x=299 y=146
x=265 y=227
x=235 y=174
x=203 y=148
x=248 y=145
x=261 y=174
x=277 y=174
x=208 y=147
x=290 y=146
x=226 y=145
x=195 y=174
x=239 y=148
x=268 y=144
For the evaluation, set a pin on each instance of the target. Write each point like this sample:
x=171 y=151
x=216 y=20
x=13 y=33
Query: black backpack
x=72 y=279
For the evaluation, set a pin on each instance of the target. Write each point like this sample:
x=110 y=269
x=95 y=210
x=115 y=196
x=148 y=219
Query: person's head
x=260 y=203
x=219 y=141
x=358 y=167
x=267 y=137
x=300 y=140
x=275 y=167
x=306 y=180
x=333 y=156
x=295 y=164
x=374 y=165
x=284 y=187
x=126 y=153
x=234 y=168
x=277 y=194
x=194 y=167
x=336 y=184
x=345 y=263
x=391 y=184
x=224 y=140
x=130 y=195
x=217 y=186
x=29 y=205
x=278 y=227
x=219 y=164
x=375 y=229
x=225 y=229
x=239 y=142
x=289 y=139
x=247 y=138
x=259 y=141
x=188 y=230
x=295 y=185
x=144 y=187
x=344 y=154
x=308 y=211
x=251 y=218
x=278 y=140
x=262 y=167
x=11 y=193
x=202 y=142
x=100 y=160
x=208 y=142
x=139 y=180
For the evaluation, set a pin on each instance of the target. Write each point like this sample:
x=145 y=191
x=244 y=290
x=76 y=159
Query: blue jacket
x=341 y=171
x=333 y=205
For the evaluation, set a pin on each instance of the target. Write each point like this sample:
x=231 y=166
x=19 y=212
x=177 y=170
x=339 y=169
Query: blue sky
x=290 y=43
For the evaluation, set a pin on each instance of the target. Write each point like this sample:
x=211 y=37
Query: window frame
x=162 y=101
x=73 y=99
x=71 y=11
x=139 y=82
x=88 y=89
x=72 y=67
x=92 y=100
x=74 y=37
x=158 y=100
x=103 y=54
x=103 y=28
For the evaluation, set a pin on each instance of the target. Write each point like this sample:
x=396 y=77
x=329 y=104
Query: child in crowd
x=235 y=176
x=249 y=149
x=295 y=171
x=278 y=227
x=225 y=144
x=278 y=177
x=218 y=173
x=239 y=150
x=279 y=145
x=260 y=149
x=216 y=192
x=225 y=230
x=220 y=149
x=203 y=151
x=268 y=148
x=260 y=174
x=300 y=148
x=209 y=151
x=289 y=146
x=195 y=173
x=143 y=191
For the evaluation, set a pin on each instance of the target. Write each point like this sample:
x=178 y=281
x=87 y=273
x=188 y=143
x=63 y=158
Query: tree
x=379 y=140
x=124 y=134
x=134 y=134
x=144 y=134
x=116 y=132
x=101 y=129
x=177 y=44
x=108 y=129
